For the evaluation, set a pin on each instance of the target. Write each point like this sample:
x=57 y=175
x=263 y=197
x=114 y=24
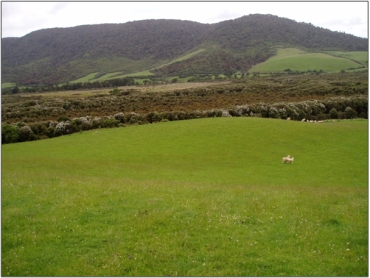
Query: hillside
x=53 y=56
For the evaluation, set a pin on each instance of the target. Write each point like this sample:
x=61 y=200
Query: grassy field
x=297 y=60
x=86 y=78
x=205 y=197
x=358 y=56
x=7 y=85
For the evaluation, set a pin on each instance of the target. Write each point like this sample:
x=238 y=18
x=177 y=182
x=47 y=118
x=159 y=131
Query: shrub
x=63 y=119
x=110 y=123
x=63 y=128
x=133 y=118
x=120 y=117
x=95 y=122
x=115 y=91
x=333 y=114
x=26 y=134
x=273 y=113
x=350 y=113
x=82 y=123
x=9 y=133
x=157 y=117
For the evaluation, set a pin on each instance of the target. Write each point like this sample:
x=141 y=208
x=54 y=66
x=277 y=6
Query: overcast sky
x=21 y=18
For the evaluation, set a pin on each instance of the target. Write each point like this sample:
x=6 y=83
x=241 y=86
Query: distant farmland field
x=358 y=56
x=204 y=197
x=297 y=60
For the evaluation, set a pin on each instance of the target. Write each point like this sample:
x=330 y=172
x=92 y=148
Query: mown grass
x=207 y=197
x=297 y=60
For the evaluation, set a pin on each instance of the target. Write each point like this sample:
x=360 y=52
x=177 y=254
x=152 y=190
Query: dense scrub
x=313 y=97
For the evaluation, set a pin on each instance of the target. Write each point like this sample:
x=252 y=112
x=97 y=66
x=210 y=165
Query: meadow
x=7 y=85
x=358 y=56
x=299 y=60
x=203 y=197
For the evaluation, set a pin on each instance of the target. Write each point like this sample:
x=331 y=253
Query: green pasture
x=204 y=197
x=358 y=56
x=297 y=60
x=141 y=73
x=86 y=78
x=8 y=85
x=184 y=57
x=113 y=67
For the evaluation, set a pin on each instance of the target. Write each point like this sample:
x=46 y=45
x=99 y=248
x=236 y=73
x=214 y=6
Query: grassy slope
x=86 y=78
x=113 y=66
x=205 y=197
x=134 y=65
x=358 y=56
x=7 y=85
x=295 y=59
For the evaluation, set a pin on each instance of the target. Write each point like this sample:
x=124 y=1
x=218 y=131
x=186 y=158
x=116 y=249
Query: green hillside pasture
x=206 y=197
x=86 y=78
x=141 y=73
x=358 y=56
x=184 y=57
x=8 y=85
x=297 y=60
x=113 y=66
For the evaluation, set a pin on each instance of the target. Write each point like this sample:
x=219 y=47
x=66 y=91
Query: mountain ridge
x=50 y=56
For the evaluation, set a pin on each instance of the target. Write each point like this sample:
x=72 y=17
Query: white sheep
x=303 y=120
x=287 y=159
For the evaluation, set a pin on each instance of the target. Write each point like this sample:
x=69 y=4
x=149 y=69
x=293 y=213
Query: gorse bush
x=9 y=133
x=16 y=133
x=26 y=134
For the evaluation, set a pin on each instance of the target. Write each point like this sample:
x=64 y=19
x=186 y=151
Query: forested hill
x=56 y=55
